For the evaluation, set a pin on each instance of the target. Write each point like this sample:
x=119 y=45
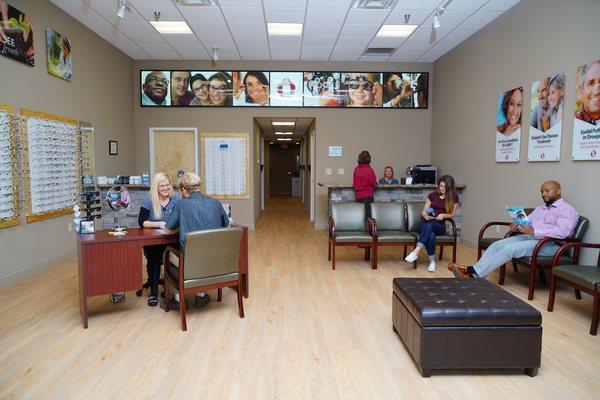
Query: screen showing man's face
x=156 y=86
x=591 y=91
x=180 y=81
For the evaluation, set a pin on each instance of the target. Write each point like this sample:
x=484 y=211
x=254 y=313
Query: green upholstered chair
x=347 y=227
x=413 y=211
x=388 y=226
x=538 y=264
x=580 y=277
x=210 y=261
x=484 y=242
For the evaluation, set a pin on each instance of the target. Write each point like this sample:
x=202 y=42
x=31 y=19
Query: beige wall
x=535 y=39
x=397 y=137
x=100 y=92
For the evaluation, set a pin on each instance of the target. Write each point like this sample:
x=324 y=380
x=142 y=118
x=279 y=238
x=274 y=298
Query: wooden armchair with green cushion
x=388 y=226
x=538 y=264
x=210 y=261
x=347 y=227
x=580 y=277
x=413 y=210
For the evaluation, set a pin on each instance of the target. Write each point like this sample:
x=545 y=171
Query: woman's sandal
x=152 y=301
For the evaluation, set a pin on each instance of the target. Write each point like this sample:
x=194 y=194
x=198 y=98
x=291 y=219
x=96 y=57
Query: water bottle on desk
x=145 y=179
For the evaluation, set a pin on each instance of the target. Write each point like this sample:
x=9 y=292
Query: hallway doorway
x=284 y=171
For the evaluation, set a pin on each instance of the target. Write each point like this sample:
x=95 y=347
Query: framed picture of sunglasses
x=113 y=147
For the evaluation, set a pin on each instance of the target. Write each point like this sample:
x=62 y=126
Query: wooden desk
x=109 y=264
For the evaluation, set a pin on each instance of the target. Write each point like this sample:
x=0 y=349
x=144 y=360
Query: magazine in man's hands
x=518 y=215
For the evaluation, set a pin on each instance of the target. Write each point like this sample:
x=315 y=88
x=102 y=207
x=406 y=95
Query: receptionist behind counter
x=388 y=177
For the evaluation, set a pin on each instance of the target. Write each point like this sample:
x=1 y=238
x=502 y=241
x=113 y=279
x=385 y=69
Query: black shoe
x=173 y=305
x=200 y=302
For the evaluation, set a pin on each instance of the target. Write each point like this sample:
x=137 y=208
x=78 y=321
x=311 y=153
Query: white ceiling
x=332 y=30
x=300 y=128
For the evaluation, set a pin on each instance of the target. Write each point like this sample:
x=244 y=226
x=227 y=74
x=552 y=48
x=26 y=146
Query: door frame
x=153 y=130
x=313 y=159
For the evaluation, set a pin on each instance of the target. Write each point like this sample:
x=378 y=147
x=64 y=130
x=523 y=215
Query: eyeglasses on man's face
x=161 y=81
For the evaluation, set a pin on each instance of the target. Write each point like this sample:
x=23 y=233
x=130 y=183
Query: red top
x=364 y=181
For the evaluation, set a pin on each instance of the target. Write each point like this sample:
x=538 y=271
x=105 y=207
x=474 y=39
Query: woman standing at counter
x=439 y=206
x=364 y=181
x=154 y=212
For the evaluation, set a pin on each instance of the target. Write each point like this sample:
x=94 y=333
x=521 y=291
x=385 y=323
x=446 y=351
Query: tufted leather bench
x=465 y=324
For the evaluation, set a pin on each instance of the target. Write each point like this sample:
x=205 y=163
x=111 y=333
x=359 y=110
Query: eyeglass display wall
x=329 y=89
x=9 y=199
x=225 y=165
x=51 y=164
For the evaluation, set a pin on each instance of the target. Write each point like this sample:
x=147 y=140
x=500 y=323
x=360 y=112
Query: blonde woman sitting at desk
x=154 y=212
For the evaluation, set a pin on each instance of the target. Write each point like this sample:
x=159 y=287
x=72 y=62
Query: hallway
x=309 y=332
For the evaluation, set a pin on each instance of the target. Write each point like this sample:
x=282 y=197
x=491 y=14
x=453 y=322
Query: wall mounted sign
x=586 y=125
x=335 y=151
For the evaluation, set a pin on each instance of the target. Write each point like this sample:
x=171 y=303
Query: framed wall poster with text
x=545 y=121
x=16 y=34
x=508 y=125
x=586 y=122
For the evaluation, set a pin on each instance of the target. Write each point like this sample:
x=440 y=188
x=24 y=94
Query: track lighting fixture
x=122 y=8
x=215 y=55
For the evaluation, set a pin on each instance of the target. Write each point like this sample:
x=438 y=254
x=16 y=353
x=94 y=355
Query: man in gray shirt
x=542 y=106
x=194 y=212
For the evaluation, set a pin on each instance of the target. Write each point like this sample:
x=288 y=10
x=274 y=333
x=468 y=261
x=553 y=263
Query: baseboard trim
x=28 y=270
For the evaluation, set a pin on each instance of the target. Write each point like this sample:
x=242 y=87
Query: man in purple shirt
x=555 y=218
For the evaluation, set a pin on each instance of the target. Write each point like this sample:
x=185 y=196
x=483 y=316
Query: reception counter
x=337 y=193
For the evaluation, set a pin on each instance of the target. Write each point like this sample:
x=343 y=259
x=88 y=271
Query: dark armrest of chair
x=331 y=228
x=372 y=225
x=489 y=224
x=453 y=223
x=545 y=241
x=572 y=243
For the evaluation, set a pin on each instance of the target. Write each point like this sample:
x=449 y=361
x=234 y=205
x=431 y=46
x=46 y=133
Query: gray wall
x=100 y=92
x=396 y=137
x=534 y=39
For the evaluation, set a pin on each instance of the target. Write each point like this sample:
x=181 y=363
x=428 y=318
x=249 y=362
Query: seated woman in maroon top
x=440 y=205
x=364 y=181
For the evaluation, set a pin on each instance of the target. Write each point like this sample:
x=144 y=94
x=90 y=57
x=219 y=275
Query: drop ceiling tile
x=201 y=14
x=344 y=4
x=321 y=30
x=285 y=40
x=93 y=2
x=373 y=58
x=81 y=11
x=451 y=18
x=366 y=16
x=251 y=40
x=254 y=53
x=447 y=44
x=285 y=52
x=321 y=52
x=217 y=40
x=421 y=4
x=197 y=50
x=499 y=5
x=182 y=40
x=243 y=14
x=243 y=28
x=396 y=17
x=359 y=29
x=407 y=54
x=145 y=38
x=325 y=16
x=424 y=31
x=240 y=3
x=416 y=43
x=289 y=15
x=158 y=46
x=483 y=17
x=147 y=2
x=284 y=4
x=209 y=28
x=227 y=53
x=110 y=13
x=348 y=52
x=467 y=5
x=358 y=42
x=166 y=53
x=386 y=42
x=134 y=27
x=318 y=41
x=167 y=13
x=432 y=55
x=463 y=32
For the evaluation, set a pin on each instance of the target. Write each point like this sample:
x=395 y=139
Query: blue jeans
x=427 y=232
x=505 y=250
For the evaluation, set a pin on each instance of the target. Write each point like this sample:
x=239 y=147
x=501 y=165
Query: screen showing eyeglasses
x=329 y=89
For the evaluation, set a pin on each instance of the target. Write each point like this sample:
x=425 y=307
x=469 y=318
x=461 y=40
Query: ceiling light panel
x=284 y=29
x=396 y=30
x=284 y=139
x=283 y=123
x=172 y=27
x=373 y=4
x=197 y=3
x=284 y=133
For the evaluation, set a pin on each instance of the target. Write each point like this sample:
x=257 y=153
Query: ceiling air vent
x=379 y=51
x=373 y=4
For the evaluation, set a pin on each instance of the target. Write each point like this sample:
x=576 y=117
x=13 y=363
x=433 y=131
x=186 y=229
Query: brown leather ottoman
x=464 y=324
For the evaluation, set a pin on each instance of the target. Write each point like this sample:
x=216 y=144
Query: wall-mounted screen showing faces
x=328 y=89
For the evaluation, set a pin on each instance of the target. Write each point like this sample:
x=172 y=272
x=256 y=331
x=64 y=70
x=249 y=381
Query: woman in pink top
x=364 y=181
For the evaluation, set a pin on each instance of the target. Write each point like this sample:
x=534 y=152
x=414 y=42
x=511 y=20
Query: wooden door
x=281 y=168
x=173 y=150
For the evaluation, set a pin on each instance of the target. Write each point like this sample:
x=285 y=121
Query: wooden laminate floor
x=309 y=333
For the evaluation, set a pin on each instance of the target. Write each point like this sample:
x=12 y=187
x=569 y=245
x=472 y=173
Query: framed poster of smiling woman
x=508 y=129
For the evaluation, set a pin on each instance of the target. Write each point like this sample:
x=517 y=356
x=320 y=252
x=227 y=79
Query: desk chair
x=210 y=261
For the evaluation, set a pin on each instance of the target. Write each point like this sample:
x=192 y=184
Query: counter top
x=419 y=186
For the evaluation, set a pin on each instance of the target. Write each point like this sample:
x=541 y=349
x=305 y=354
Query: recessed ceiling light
x=180 y=27
x=373 y=4
x=396 y=30
x=287 y=139
x=284 y=29
x=284 y=133
x=284 y=123
x=197 y=2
